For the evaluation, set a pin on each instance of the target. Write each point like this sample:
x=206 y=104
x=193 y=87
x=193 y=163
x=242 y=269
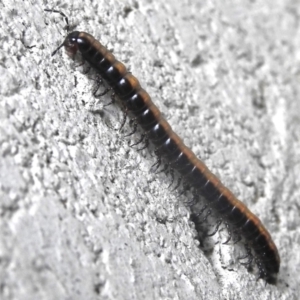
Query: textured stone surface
x=81 y=216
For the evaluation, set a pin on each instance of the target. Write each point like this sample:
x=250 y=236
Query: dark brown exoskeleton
x=171 y=148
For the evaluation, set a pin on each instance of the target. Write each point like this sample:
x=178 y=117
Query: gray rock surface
x=81 y=216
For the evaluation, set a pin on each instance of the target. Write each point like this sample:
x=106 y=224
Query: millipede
x=168 y=146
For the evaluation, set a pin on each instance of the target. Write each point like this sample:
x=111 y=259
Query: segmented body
x=138 y=102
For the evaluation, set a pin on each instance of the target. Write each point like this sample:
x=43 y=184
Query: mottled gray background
x=81 y=217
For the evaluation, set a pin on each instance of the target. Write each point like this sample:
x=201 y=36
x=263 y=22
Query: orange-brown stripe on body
x=90 y=41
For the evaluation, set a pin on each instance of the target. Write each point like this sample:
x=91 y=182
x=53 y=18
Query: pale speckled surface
x=81 y=217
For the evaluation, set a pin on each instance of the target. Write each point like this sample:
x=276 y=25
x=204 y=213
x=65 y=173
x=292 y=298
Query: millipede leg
x=98 y=79
x=172 y=177
x=248 y=253
x=164 y=169
x=125 y=112
x=146 y=143
x=229 y=234
x=99 y=82
x=216 y=228
x=135 y=124
x=139 y=141
x=185 y=187
x=248 y=263
x=81 y=64
x=237 y=239
x=158 y=162
x=228 y=239
x=107 y=89
x=87 y=70
x=177 y=184
x=201 y=211
x=113 y=99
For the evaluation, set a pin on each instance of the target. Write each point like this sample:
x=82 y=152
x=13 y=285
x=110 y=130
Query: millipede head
x=70 y=43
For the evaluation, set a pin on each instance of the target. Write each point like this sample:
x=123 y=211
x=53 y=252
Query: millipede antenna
x=67 y=22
